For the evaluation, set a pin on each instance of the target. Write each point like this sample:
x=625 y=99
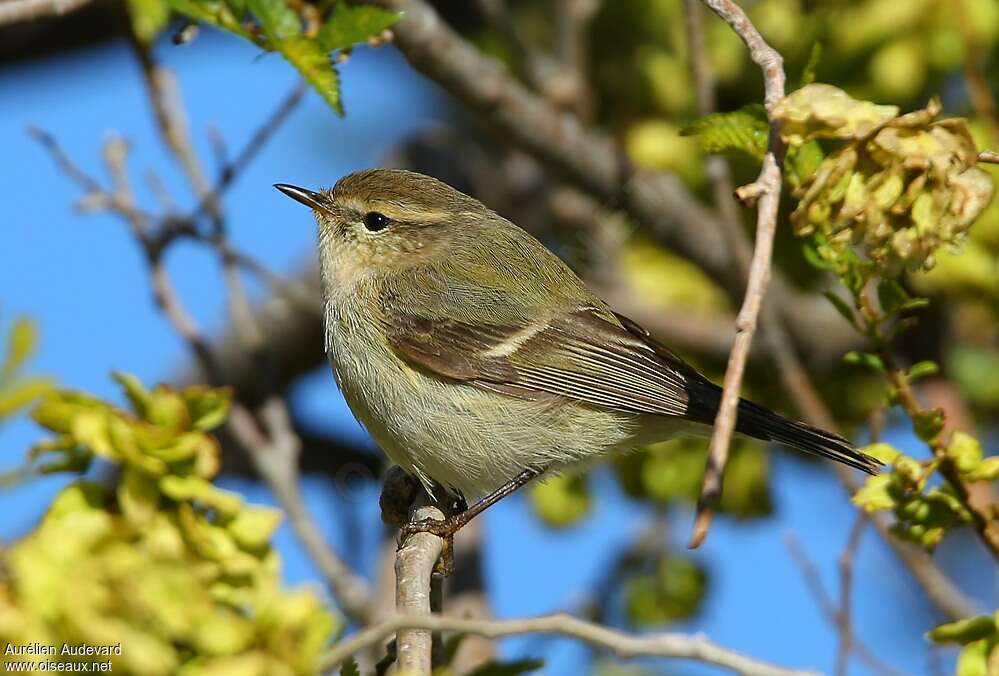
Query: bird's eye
x=375 y=221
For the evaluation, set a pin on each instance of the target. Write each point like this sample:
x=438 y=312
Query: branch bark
x=677 y=646
x=765 y=193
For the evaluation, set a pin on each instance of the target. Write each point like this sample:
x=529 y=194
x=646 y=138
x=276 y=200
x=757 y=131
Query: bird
x=479 y=361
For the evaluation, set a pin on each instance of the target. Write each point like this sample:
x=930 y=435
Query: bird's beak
x=307 y=197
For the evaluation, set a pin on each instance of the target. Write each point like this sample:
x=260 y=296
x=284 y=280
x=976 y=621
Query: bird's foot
x=445 y=530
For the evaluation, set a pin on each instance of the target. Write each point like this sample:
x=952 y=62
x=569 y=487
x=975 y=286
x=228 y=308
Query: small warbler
x=478 y=360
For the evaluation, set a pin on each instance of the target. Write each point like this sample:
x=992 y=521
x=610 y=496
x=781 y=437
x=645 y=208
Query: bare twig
x=833 y=615
x=989 y=157
x=18 y=11
x=843 y=617
x=678 y=646
x=766 y=191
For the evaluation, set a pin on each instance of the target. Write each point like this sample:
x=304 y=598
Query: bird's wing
x=586 y=354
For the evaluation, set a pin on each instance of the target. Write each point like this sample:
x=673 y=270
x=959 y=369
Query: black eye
x=375 y=221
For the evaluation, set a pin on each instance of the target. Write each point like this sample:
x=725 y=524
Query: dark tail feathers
x=760 y=423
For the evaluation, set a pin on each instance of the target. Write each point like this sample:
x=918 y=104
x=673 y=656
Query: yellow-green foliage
x=902 y=186
x=178 y=572
x=16 y=389
x=924 y=515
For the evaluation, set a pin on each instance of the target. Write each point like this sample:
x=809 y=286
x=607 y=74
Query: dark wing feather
x=585 y=355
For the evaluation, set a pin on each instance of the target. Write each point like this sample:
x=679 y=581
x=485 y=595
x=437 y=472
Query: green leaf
x=891 y=295
x=22 y=343
x=211 y=12
x=824 y=111
x=802 y=162
x=808 y=74
x=922 y=369
x=510 y=668
x=350 y=25
x=841 y=306
x=965 y=451
x=871 y=361
x=886 y=453
x=314 y=64
x=964 y=632
x=974 y=659
x=350 y=668
x=914 y=304
x=136 y=392
x=23 y=393
x=928 y=424
x=745 y=130
x=987 y=470
x=148 y=17
x=253 y=527
x=874 y=495
x=815 y=259
x=277 y=19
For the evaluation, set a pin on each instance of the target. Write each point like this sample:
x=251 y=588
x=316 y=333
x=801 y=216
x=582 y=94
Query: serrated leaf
x=350 y=25
x=148 y=18
x=314 y=64
x=350 y=668
x=964 y=631
x=745 y=130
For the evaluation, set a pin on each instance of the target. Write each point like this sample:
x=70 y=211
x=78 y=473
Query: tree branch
x=19 y=11
x=765 y=193
x=677 y=646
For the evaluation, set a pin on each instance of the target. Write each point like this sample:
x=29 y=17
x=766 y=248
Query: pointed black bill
x=309 y=198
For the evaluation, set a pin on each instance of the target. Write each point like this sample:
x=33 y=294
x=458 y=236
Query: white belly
x=459 y=435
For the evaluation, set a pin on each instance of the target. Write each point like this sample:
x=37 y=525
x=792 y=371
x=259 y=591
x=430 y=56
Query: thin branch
x=765 y=191
x=678 y=646
x=843 y=617
x=19 y=11
x=989 y=157
x=828 y=609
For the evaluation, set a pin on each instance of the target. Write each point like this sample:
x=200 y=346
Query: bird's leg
x=448 y=527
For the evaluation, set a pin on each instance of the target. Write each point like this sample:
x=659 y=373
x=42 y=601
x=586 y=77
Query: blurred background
x=609 y=545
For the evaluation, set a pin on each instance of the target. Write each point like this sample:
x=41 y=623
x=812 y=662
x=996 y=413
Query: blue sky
x=83 y=281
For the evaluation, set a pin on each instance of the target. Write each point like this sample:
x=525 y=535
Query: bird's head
x=384 y=220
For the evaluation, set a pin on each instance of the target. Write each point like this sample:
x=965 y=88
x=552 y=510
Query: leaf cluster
x=177 y=571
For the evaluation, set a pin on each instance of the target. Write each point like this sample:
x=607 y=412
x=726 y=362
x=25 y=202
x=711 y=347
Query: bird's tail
x=761 y=423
